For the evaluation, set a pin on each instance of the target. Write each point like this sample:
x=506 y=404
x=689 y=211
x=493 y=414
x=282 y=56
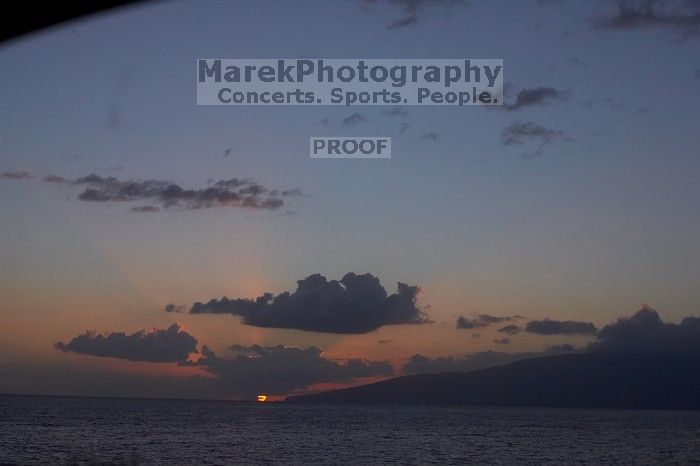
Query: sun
x=262 y=398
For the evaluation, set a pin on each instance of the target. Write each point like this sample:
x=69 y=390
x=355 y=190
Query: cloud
x=17 y=175
x=145 y=208
x=281 y=369
x=537 y=96
x=642 y=333
x=234 y=192
x=679 y=16
x=464 y=323
x=395 y=112
x=645 y=332
x=354 y=304
x=408 y=20
x=502 y=341
x=419 y=364
x=557 y=327
x=354 y=119
x=170 y=345
x=177 y=308
x=54 y=179
x=562 y=348
x=609 y=103
x=510 y=329
x=520 y=133
x=413 y=11
x=274 y=370
x=482 y=320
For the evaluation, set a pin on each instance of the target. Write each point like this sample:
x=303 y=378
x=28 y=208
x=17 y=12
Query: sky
x=491 y=234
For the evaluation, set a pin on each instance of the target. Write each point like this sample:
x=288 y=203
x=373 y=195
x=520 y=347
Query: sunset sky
x=589 y=216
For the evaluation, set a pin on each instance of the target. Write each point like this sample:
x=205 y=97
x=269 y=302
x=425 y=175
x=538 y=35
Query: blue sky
x=604 y=220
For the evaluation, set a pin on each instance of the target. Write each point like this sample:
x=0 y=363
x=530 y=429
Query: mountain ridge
x=581 y=380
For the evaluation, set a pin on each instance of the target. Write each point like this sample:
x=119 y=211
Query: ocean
x=54 y=430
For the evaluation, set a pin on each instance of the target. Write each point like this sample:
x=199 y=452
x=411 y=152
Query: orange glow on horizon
x=262 y=398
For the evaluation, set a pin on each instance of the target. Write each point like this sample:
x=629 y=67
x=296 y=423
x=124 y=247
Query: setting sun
x=262 y=398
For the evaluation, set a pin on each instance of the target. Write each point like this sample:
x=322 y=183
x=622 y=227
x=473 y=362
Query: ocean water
x=47 y=430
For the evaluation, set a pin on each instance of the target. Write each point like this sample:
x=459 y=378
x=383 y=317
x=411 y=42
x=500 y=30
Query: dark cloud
x=482 y=320
x=463 y=322
x=354 y=119
x=170 y=345
x=496 y=319
x=54 y=179
x=520 y=133
x=510 y=329
x=395 y=112
x=609 y=103
x=288 y=192
x=680 y=16
x=231 y=183
x=419 y=364
x=281 y=369
x=408 y=20
x=645 y=332
x=94 y=195
x=558 y=327
x=145 y=208
x=413 y=11
x=177 y=308
x=19 y=175
x=250 y=370
x=537 y=96
x=562 y=348
x=234 y=192
x=354 y=304
x=502 y=341
x=642 y=333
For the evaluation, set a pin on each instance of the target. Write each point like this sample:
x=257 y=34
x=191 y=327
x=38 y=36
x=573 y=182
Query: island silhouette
x=640 y=381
